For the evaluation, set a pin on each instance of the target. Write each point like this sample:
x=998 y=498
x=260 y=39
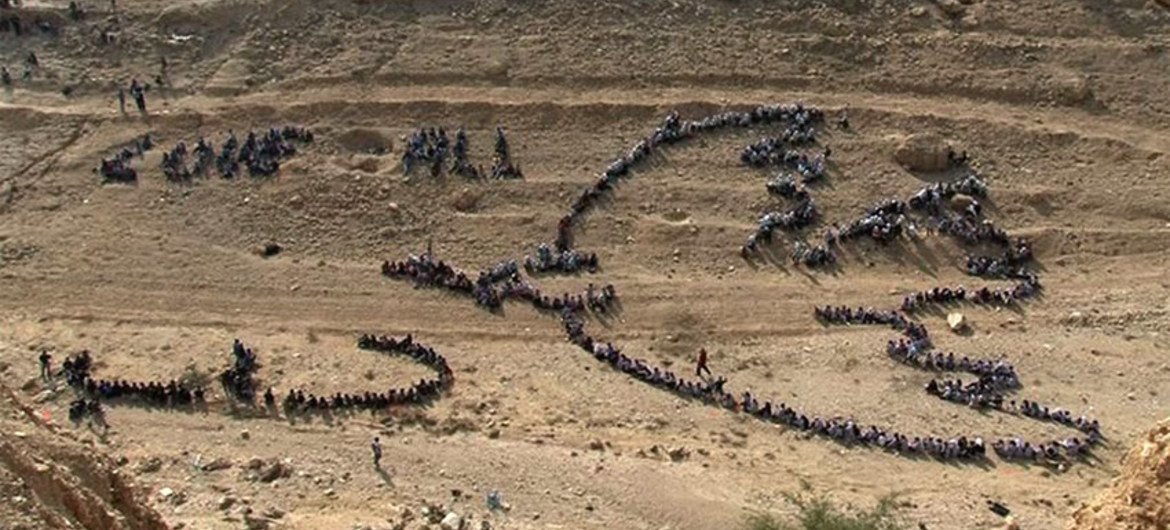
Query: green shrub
x=819 y=513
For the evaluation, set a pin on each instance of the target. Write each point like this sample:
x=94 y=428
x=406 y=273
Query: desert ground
x=1064 y=108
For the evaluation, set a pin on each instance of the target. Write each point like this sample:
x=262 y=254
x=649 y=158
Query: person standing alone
x=701 y=366
x=376 y=447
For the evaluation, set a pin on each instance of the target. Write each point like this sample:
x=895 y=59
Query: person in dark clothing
x=376 y=447
x=701 y=366
x=46 y=365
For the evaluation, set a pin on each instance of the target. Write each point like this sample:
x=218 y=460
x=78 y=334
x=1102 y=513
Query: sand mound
x=1140 y=496
x=923 y=152
x=362 y=140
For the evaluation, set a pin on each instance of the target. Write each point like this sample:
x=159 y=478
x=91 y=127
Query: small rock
x=255 y=463
x=275 y=471
x=451 y=521
x=917 y=11
x=956 y=321
x=244 y=434
x=270 y=249
x=150 y=465
x=678 y=454
x=274 y=513
x=216 y=465
x=597 y=445
x=225 y=502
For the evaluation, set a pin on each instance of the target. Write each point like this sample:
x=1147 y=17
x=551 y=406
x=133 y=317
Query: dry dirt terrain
x=1064 y=107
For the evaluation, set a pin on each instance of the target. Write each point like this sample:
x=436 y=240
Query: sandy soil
x=1064 y=106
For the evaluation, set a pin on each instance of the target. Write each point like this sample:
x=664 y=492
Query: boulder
x=451 y=521
x=956 y=321
x=923 y=152
x=274 y=471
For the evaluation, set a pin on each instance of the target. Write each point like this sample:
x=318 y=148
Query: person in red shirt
x=702 y=364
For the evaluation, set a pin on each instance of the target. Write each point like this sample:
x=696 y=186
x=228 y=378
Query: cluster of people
x=502 y=165
x=987 y=391
x=711 y=392
x=784 y=185
x=425 y=270
x=933 y=198
x=90 y=410
x=800 y=216
x=117 y=168
x=673 y=130
x=428 y=146
x=260 y=154
x=154 y=394
x=771 y=152
x=461 y=165
x=11 y=21
x=882 y=222
x=432 y=146
x=76 y=370
x=568 y=260
x=813 y=255
x=1023 y=290
x=137 y=92
x=238 y=381
x=297 y=401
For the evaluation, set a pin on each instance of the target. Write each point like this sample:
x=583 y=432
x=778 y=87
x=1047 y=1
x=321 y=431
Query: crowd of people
x=495 y=285
x=568 y=261
x=421 y=392
x=117 y=168
x=261 y=154
x=1001 y=297
x=431 y=146
x=77 y=373
x=239 y=381
x=674 y=130
x=991 y=381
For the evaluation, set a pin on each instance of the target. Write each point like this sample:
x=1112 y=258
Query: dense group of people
x=117 y=168
x=989 y=383
x=431 y=146
x=999 y=296
x=425 y=390
x=548 y=259
x=673 y=130
x=260 y=154
x=93 y=392
x=495 y=285
x=238 y=381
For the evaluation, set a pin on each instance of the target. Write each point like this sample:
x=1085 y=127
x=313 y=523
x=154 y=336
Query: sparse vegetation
x=817 y=512
x=194 y=377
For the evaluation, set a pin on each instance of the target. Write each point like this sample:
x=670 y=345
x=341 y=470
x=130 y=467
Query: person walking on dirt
x=701 y=366
x=121 y=100
x=5 y=77
x=376 y=447
x=46 y=367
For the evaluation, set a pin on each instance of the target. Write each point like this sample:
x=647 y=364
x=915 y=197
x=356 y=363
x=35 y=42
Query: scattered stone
x=225 y=502
x=465 y=201
x=274 y=471
x=597 y=445
x=244 y=434
x=957 y=322
x=149 y=465
x=451 y=521
x=216 y=465
x=255 y=464
x=274 y=513
x=270 y=249
x=678 y=454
